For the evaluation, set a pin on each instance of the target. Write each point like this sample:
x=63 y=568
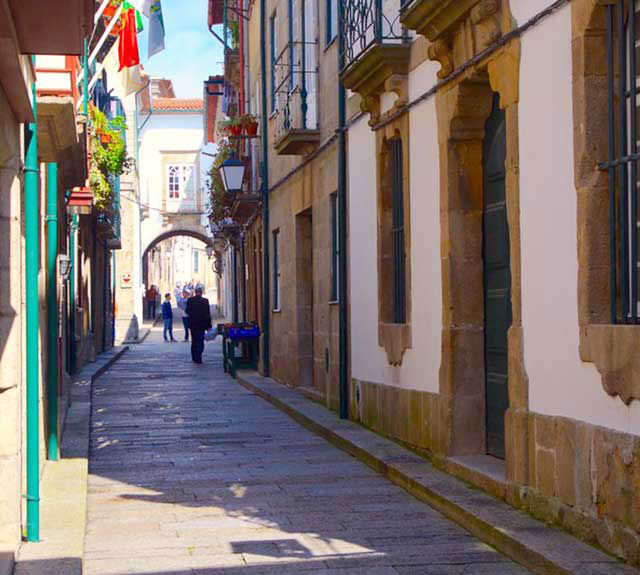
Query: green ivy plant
x=221 y=200
x=108 y=156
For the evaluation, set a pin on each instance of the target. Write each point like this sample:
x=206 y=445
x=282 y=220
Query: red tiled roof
x=178 y=104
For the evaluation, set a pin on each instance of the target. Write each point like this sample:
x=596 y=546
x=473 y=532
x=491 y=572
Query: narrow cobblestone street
x=191 y=473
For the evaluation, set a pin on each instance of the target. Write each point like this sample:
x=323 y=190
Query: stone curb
x=537 y=546
x=64 y=484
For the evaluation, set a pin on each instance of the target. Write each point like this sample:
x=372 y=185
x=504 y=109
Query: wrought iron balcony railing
x=296 y=87
x=367 y=23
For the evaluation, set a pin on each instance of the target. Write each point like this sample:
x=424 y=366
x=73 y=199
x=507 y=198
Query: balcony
x=296 y=115
x=57 y=93
x=244 y=206
x=433 y=18
x=376 y=52
x=109 y=221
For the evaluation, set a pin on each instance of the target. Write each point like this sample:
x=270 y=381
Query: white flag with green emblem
x=152 y=9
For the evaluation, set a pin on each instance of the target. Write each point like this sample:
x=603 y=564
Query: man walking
x=199 y=313
x=167 y=317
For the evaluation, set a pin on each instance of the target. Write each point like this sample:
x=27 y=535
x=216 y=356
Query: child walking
x=167 y=317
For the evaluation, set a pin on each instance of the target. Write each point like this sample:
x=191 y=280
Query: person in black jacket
x=199 y=313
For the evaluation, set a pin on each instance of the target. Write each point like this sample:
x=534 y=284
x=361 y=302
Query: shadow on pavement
x=192 y=473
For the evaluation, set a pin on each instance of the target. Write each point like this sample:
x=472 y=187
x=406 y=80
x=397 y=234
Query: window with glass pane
x=335 y=250
x=332 y=19
x=623 y=20
x=273 y=37
x=174 y=182
x=397 y=231
x=196 y=261
x=276 y=270
x=178 y=180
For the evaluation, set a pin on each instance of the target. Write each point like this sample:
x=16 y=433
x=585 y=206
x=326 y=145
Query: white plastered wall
x=559 y=383
x=421 y=363
x=165 y=133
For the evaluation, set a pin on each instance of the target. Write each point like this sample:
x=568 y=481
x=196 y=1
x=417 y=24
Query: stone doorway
x=463 y=111
x=304 y=297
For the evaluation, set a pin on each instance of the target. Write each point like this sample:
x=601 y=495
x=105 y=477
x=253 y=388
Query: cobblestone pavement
x=192 y=474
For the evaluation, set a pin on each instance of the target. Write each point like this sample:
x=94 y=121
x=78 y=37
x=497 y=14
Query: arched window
x=174 y=182
x=179 y=180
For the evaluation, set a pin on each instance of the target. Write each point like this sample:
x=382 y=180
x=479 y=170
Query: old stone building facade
x=302 y=80
x=491 y=323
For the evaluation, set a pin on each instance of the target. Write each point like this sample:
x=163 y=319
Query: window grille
x=622 y=165
x=397 y=231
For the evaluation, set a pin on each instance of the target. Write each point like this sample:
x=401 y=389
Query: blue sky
x=191 y=55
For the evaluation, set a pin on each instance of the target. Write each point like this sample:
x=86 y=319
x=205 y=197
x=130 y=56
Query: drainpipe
x=234 y=260
x=265 y=195
x=74 y=219
x=243 y=276
x=72 y=293
x=31 y=181
x=342 y=224
x=52 y=307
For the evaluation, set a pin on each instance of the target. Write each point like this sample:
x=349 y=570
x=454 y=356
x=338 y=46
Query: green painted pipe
x=31 y=184
x=343 y=383
x=85 y=79
x=266 y=233
x=72 y=293
x=52 y=307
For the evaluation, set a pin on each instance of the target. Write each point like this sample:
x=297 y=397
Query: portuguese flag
x=128 y=45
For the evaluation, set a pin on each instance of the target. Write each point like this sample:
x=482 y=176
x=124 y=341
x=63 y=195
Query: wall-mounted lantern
x=64 y=267
x=232 y=174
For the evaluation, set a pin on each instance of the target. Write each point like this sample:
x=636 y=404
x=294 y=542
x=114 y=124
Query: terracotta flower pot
x=251 y=129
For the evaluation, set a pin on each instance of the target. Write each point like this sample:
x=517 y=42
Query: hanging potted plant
x=250 y=125
x=232 y=127
x=108 y=156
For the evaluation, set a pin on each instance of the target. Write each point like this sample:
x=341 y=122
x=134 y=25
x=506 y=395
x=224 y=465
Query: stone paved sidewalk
x=191 y=473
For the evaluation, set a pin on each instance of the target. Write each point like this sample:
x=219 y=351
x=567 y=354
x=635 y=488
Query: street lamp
x=209 y=250
x=64 y=263
x=232 y=174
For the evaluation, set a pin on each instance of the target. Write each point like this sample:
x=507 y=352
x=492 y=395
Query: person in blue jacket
x=167 y=317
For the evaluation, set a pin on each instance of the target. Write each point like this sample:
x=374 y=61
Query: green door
x=497 y=279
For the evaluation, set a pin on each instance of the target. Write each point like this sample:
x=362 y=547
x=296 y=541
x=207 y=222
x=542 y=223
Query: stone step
x=537 y=546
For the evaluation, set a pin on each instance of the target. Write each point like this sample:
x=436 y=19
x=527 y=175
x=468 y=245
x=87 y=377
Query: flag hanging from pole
x=128 y=45
x=152 y=9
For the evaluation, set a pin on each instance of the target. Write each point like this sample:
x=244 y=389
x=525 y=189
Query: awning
x=80 y=201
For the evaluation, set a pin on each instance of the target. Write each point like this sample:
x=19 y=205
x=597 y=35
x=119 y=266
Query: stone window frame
x=614 y=349
x=394 y=338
